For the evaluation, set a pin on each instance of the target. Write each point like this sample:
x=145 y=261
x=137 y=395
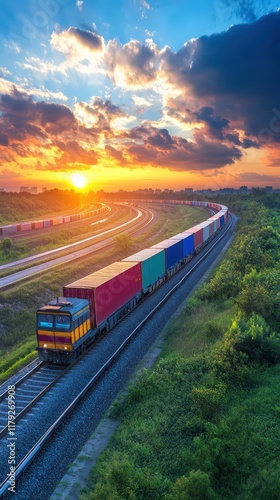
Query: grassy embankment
x=204 y=422
x=18 y=305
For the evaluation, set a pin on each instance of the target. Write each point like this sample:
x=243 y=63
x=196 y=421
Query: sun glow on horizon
x=78 y=180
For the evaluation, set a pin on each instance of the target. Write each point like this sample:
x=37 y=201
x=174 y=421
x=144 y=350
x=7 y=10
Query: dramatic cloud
x=132 y=64
x=77 y=44
x=254 y=177
x=217 y=101
x=157 y=148
x=236 y=72
x=22 y=117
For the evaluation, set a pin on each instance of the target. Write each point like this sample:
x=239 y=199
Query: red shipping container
x=108 y=289
x=38 y=224
x=25 y=226
x=197 y=234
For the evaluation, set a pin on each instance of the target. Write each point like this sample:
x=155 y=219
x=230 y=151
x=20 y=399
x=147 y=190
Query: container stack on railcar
x=108 y=291
x=153 y=269
x=92 y=305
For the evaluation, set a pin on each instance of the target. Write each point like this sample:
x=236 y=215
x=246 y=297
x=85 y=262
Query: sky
x=128 y=94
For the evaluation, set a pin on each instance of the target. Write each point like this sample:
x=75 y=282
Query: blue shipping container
x=188 y=242
x=173 y=252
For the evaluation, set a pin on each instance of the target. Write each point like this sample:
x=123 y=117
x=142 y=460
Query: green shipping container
x=152 y=265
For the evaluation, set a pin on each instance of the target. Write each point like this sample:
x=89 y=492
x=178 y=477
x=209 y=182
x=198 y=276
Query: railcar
x=92 y=305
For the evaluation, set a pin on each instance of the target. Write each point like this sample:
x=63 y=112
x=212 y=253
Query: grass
x=13 y=361
x=197 y=327
x=185 y=435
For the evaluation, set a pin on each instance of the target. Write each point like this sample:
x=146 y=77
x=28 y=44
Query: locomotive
x=94 y=304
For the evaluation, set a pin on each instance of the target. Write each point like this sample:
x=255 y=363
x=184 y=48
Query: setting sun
x=78 y=180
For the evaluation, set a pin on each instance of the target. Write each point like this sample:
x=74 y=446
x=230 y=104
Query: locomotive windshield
x=45 y=320
x=62 y=322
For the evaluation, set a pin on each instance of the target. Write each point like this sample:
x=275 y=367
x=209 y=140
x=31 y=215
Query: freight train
x=92 y=305
x=11 y=229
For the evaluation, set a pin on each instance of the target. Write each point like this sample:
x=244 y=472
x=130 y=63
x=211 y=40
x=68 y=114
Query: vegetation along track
x=63 y=397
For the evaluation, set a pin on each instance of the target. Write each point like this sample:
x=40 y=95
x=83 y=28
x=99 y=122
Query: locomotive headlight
x=45 y=345
x=65 y=348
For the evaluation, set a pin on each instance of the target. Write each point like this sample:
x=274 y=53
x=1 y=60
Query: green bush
x=197 y=486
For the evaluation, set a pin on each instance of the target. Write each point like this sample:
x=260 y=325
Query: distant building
x=25 y=189
x=268 y=189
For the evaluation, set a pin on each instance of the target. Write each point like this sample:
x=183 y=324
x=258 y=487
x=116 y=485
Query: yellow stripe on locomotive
x=61 y=327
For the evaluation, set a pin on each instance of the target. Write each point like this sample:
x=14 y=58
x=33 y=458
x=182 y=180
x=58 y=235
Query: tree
x=195 y=487
x=123 y=242
x=6 y=245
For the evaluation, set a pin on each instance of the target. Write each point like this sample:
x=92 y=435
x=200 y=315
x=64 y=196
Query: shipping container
x=211 y=227
x=225 y=214
x=66 y=218
x=74 y=217
x=25 y=226
x=38 y=224
x=206 y=231
x=188 y=243
x=197 y=232
x=108 y=289
x=173 y=252
x=214 y=222
x=9 y=229
x=47 y=223
x=152 y=266
x=56 y=221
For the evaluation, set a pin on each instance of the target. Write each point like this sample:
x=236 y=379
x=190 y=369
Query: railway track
x=28 y=448
x=29 y=389
x=140 y=221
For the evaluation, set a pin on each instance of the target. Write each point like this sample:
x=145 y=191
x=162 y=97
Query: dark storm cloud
x=22 y=117
x=161 y=140
x=158 y=149
x=215 y=124
x=4 y=141
x=238 y=71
